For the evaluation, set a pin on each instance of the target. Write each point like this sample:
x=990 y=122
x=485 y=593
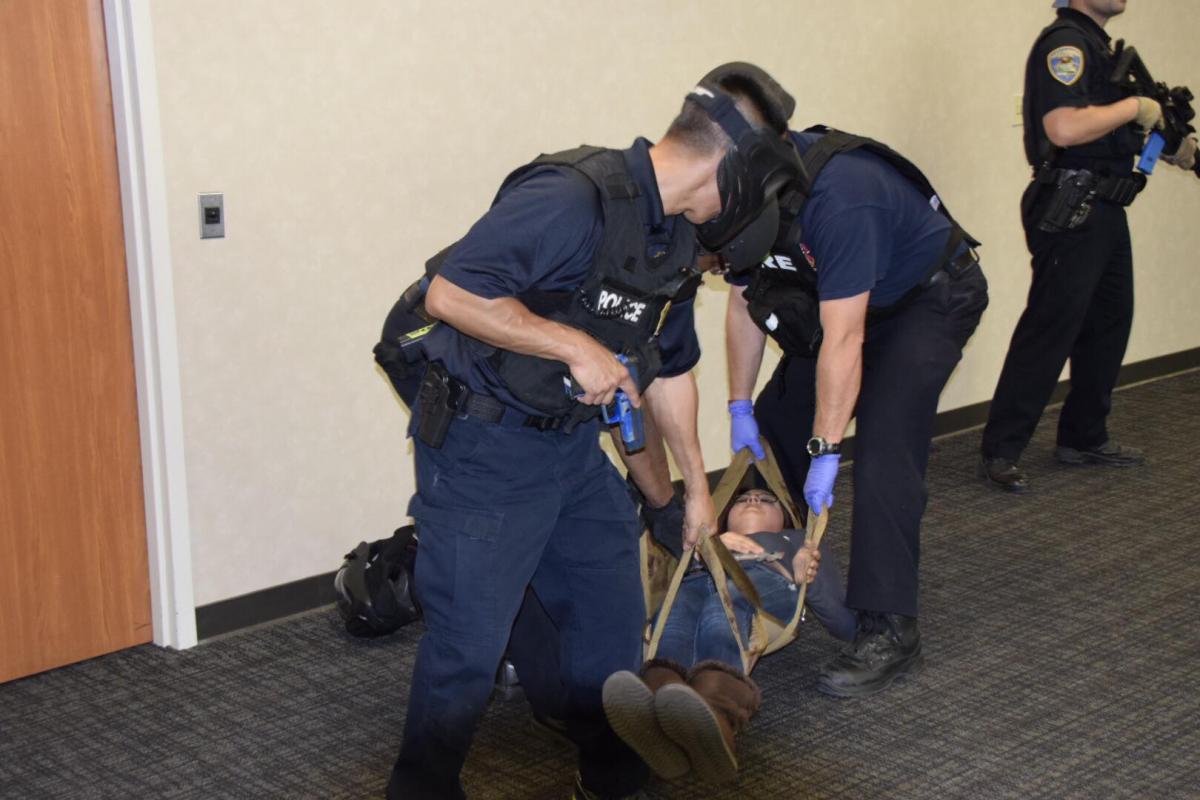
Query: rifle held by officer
x=1131 y=74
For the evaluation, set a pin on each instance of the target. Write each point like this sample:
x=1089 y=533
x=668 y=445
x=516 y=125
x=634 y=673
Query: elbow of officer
x=1057 y=136
x=436 y=301
x=1060 y=128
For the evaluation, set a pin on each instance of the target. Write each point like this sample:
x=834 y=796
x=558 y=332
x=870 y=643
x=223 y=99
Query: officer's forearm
x=839 y=375
x=501 y=322
x=648 y=467
x=839 y=364
x=1067 y=127
x=744 y=344
x=673 y=403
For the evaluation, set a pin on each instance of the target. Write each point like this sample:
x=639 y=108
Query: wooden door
x=74 y=579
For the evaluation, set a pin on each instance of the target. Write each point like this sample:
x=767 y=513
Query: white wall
x=352 y=140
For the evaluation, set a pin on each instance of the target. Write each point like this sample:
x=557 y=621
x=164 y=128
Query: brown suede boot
x=629 y=706
x=705 y=715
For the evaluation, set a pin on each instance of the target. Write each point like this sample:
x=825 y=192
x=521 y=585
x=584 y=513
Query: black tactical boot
x=885 y=648
x=1003 y=474
x=1109 y=454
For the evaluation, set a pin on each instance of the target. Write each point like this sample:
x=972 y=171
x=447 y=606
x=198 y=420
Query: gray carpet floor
x=1063 y=661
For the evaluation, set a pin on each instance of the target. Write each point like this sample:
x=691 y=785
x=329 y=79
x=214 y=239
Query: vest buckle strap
x=543 y=424
x=958 y=266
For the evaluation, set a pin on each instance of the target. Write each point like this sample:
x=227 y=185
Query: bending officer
x=871 y=291
x=575 y=263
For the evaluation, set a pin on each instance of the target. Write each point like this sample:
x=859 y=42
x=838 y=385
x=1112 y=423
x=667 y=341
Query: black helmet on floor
x=375 y=585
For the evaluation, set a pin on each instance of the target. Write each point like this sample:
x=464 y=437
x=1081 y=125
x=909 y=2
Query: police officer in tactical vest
x=871 y=290
x=575 y=264
x=1081 y=136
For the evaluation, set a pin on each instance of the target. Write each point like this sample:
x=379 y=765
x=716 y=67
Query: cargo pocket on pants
x=455 y=576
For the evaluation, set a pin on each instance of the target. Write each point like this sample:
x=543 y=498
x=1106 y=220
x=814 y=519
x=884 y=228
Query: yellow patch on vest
x=662 y=318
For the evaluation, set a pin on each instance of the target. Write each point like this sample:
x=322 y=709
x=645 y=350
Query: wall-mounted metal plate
x=212 y=216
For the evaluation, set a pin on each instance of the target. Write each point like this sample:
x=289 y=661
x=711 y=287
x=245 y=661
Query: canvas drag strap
x=767 y=632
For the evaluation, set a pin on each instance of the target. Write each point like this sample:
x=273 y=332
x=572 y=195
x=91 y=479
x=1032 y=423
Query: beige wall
x=353 y=139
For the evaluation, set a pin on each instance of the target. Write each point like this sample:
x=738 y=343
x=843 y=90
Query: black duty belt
x=489 y=409
x=949 y=270
x=1114 y=189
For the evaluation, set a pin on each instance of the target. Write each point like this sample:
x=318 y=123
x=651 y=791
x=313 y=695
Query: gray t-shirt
x=785 y=543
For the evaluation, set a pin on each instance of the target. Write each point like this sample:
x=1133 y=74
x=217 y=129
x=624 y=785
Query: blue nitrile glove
x=818 y=486
x=743 y=430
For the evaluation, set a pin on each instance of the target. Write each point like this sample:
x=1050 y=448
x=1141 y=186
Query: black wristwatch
x=817 y=446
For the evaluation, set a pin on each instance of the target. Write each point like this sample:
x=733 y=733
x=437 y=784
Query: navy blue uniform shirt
x=867 y=228
x=542 y=233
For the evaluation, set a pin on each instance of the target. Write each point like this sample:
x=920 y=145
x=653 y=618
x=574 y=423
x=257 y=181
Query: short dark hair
x=694 y=128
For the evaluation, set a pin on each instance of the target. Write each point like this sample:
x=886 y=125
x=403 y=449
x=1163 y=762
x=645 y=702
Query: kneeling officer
x=576 y=262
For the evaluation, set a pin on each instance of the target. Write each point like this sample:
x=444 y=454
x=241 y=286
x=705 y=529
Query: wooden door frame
x=152 y=307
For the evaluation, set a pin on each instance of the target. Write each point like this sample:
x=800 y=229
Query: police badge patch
x=1066 y=64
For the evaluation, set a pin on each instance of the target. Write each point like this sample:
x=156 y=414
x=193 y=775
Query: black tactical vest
x=624 y=298
x=782 y=295
x=1119 y=145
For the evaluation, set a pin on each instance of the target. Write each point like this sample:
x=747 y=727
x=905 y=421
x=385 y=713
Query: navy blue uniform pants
x=499 y=509
x=908 y=356
x=1080 y=307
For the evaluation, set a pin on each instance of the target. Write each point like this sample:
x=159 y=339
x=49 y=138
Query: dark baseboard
x=960 y=419
x=266 y=605
x=1158 y=367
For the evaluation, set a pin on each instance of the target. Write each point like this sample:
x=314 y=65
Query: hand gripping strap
x=813 y=535
x=767 y=632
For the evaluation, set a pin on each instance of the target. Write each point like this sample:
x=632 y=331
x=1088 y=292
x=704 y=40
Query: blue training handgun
x=621 y=412
x=1150 y=152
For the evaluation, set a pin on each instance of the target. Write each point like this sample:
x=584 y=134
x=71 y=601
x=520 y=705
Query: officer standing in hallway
x=1079 y=127
x=871 y=290
x=575 y=262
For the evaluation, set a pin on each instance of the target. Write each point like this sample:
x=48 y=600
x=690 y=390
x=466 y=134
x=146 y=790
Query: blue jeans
x=698 y=630
x=499 y=509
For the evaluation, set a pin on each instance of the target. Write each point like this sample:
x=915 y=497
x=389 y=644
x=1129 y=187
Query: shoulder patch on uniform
x=1066 y=64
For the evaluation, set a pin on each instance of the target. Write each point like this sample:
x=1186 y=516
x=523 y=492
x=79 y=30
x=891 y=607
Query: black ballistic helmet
x=375 y=585
x=751 y=244
x=756 y=168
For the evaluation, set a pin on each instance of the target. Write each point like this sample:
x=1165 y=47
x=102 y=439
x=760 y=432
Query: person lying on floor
x=684 y=710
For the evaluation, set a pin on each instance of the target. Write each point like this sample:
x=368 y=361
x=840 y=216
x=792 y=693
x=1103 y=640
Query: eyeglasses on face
x=756 y=497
